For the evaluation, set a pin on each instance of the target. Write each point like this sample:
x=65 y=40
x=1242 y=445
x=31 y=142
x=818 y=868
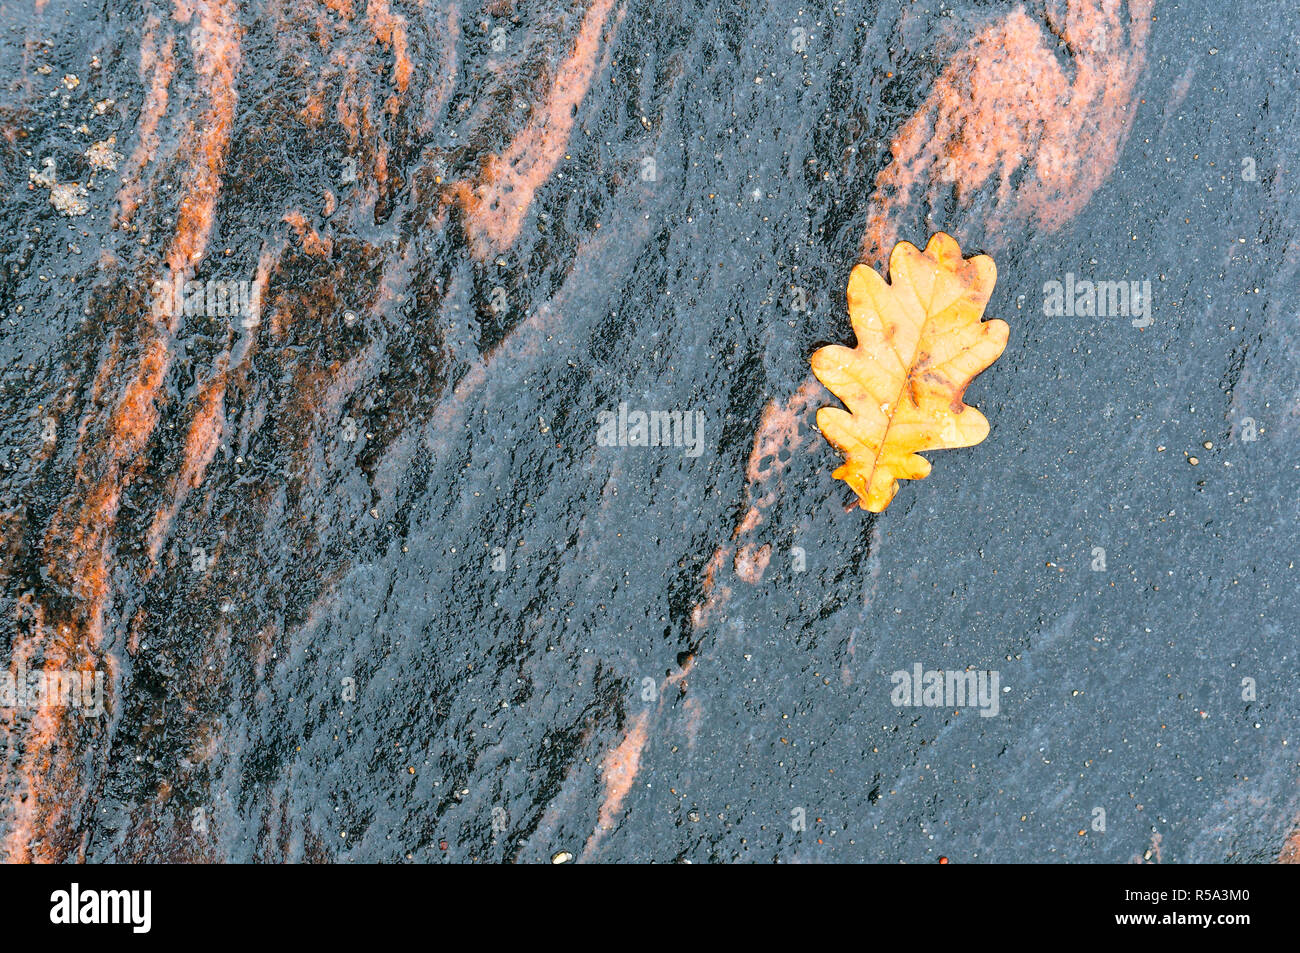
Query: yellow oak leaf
x=920 y=343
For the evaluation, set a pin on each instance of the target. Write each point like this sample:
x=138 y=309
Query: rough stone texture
x=466 y=230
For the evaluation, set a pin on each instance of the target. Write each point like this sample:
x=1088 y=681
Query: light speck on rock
x=101 y=156
x=67 y=198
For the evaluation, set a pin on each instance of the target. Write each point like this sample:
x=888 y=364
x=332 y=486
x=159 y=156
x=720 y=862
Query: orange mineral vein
x=497 y=202
x=80 y=535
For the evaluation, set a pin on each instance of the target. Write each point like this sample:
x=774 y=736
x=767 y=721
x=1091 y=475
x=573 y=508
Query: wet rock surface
x=310 y=312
